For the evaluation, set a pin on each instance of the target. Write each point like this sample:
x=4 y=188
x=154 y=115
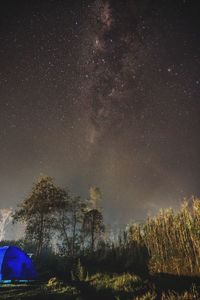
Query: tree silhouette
x=37 y=211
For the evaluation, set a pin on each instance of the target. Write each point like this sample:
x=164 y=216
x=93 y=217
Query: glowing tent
x=15 y=265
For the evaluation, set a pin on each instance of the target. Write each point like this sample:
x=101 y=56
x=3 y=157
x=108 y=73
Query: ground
x=111 y=287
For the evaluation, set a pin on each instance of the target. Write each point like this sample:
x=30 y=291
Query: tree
x=93 y=225
x=69 y=225
x=95 y=198
x=37 y=211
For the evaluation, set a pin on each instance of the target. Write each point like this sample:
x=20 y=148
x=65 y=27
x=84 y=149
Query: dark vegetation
x=76 y=257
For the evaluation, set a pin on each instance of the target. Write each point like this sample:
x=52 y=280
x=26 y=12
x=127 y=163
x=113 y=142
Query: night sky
x=101 y=93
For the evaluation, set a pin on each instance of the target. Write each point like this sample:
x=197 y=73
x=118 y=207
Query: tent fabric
x=15 y=264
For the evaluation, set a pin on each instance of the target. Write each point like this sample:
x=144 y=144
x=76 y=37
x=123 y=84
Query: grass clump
x=54 y=283
x=117 y=283
x=147 y=296
x=60 y=287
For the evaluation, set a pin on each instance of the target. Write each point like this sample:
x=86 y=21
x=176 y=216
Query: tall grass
x=172 y=239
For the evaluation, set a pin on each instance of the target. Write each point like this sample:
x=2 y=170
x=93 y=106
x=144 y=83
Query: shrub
x=79 y=272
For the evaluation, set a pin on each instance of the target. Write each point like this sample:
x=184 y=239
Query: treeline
x=53 y=216
x=169 y=242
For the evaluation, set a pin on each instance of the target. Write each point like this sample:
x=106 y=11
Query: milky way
x=101 y=93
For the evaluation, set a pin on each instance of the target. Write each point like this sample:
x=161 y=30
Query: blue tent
x=15 y=265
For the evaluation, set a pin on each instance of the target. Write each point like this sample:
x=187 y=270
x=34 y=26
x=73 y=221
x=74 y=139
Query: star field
x=101 y=93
